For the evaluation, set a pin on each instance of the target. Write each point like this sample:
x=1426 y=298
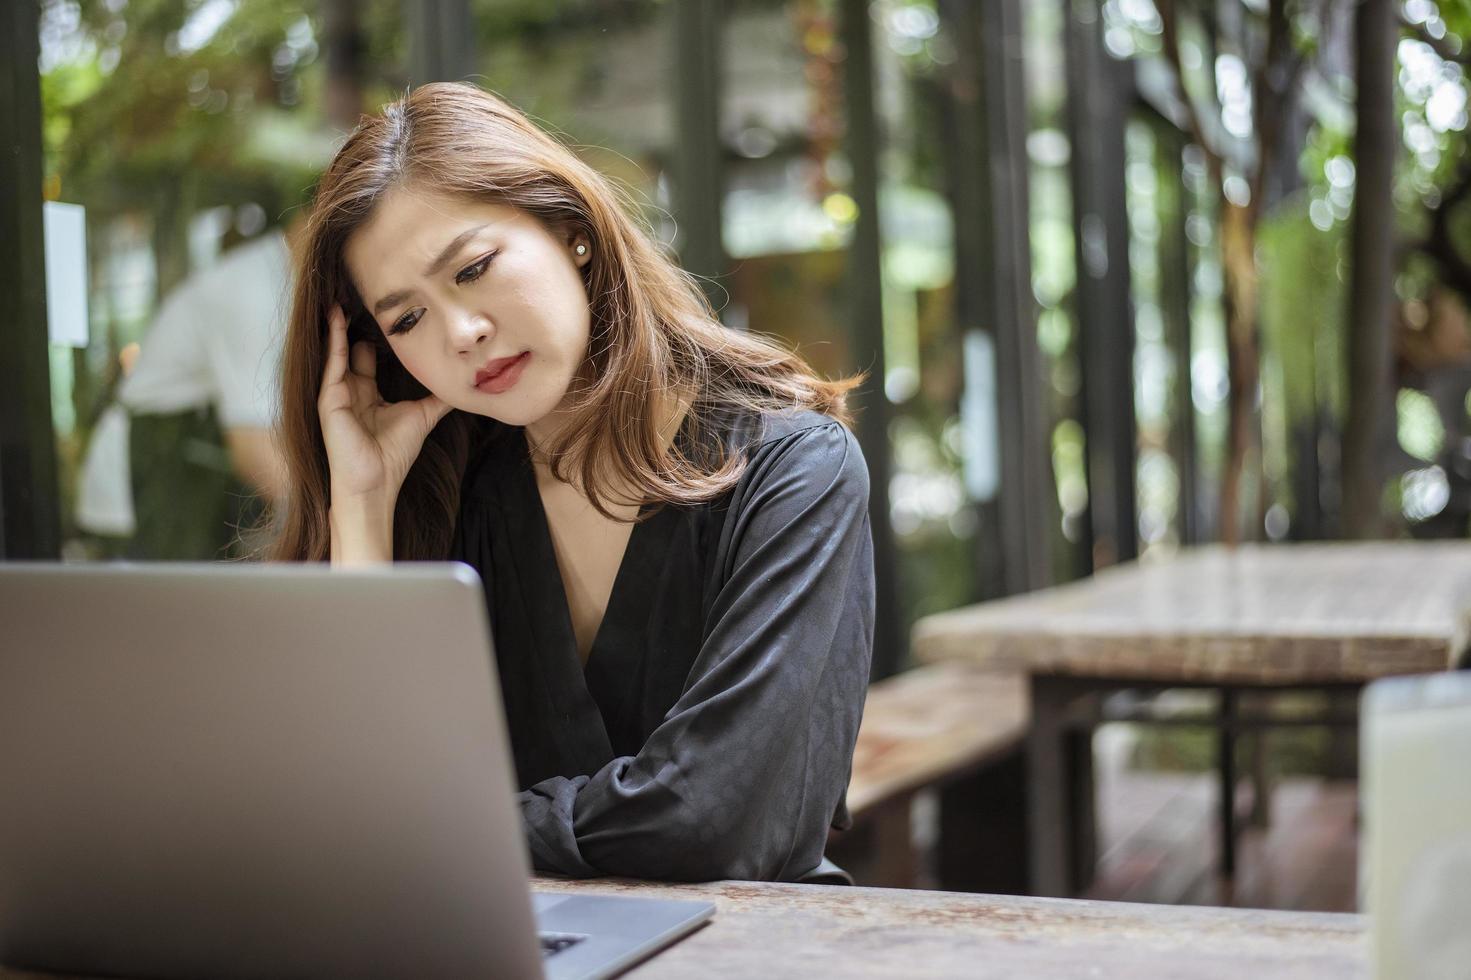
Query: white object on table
x=1416 y=866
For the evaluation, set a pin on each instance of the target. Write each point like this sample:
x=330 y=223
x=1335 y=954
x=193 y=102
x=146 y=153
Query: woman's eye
x=472 y=272
x=405 y=323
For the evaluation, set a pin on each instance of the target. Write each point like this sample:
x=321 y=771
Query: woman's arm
x=362 y=530
x=745 y=773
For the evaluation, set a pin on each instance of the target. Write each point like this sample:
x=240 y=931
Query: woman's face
x=480 y=302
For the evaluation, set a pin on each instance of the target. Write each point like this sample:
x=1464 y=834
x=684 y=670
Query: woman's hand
x=370 y=443
x=370 y=447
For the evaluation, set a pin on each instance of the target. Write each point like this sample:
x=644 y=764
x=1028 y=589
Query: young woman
x=489 y=361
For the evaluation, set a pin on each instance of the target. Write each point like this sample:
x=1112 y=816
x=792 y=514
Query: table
x=775 y=931
x=800 y=931
x=1324 y=616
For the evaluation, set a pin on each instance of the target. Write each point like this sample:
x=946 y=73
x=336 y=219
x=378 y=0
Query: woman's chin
x=510 y=411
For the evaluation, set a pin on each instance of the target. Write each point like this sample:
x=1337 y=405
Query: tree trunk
x=1238 y=268
x=1372 y=271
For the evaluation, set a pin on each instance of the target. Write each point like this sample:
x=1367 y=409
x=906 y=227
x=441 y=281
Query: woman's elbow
x=692 y=843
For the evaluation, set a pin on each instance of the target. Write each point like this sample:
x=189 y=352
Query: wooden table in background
x=1264 y=617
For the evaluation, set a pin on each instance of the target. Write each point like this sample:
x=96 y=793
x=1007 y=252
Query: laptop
x=259 y=771
x=1415 y=870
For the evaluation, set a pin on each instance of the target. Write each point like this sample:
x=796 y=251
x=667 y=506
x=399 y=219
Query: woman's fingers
x=417 y=417
x=434 y=410
x=336 y=367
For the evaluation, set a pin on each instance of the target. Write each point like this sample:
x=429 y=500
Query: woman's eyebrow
x=449 y=250
x=391 y=300
x=440 y=261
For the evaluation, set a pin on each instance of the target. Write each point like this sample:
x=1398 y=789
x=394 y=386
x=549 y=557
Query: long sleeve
x=746 y=771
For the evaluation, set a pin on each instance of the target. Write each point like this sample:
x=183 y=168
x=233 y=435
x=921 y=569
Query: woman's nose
x=469 y=332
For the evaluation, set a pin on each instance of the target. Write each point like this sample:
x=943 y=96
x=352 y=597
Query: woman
x=489 y=361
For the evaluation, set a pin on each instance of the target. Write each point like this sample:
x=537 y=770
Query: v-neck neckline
x=624 y=611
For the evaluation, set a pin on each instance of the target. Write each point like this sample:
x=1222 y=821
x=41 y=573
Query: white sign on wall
x=66 y=273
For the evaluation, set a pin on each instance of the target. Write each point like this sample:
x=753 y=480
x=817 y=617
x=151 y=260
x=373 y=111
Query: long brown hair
x=652 y=330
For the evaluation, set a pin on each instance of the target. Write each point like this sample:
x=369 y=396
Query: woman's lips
x=501 y=374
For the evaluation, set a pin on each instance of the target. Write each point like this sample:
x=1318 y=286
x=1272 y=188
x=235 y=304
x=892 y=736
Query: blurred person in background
x=186 y=459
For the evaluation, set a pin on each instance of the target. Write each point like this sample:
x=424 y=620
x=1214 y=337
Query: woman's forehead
x=414 y=227
x=410 y=217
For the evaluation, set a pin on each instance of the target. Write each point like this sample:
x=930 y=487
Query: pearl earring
x=581 y=249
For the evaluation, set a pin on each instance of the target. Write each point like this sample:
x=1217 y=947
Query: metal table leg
x=1049 y=867
x=1082 y=809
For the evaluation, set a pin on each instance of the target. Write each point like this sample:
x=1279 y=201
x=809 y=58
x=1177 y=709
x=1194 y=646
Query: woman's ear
x=581 y=249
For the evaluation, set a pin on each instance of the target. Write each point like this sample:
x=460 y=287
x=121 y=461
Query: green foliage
x=1431 y=106
x=162 y=99
x=1303 y=320
x=67 y=87
x=1418 y=427
x=1303 y=297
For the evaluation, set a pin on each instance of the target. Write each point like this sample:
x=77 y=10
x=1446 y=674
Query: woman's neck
x=671 y=409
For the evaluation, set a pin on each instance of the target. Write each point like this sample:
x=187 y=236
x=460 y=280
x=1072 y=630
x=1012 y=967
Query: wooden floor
x=1158 y=838
x=1158 y=841
x=1159 y=844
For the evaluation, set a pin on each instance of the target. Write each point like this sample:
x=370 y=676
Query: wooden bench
x=956 y=730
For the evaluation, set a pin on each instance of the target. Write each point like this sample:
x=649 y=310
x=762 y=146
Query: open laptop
x=1415 y=871
x=273 y=771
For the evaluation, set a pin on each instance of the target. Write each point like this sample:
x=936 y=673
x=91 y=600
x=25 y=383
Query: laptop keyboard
x=553 y=943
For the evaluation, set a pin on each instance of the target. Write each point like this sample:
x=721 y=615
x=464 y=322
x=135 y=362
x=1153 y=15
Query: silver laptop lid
x=256 y=770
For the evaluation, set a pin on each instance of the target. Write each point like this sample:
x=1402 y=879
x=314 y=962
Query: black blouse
x=711 y=733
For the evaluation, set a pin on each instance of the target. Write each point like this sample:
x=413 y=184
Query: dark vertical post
x=993 y=275
x=698 y=187
x=865 y=291
x=1226 y=771
x=1175 y=270
x=961 y=146
x=1028 y=493
x=1097 y=96
x=1050 y=859
x=1082 y=808
x=441 y=40
x=1098 y=92
x=342 y=39
x=30 y=524
x=1367 y=426
x=1371 y=276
